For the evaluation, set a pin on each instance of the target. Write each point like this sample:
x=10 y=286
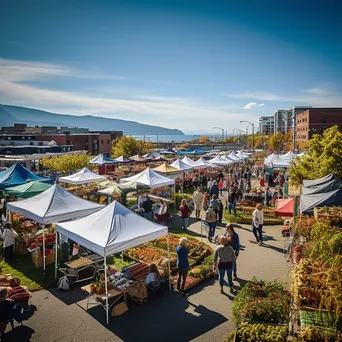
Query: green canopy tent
x=122 y=189
x=28 y=190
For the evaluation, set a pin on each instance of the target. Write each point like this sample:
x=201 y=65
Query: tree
x=128 y=146
x=66 y=163
x=278 y=142
x=324 y=156
x=203 y=139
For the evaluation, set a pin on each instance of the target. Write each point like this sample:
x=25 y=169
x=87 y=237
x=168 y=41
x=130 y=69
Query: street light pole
x=252 y=132
x=222 y=131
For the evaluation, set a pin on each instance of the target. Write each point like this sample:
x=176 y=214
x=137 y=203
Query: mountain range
x=35 y=117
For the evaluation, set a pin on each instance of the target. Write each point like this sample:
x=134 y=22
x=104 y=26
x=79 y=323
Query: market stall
x=102 y=161
x=218 y=161
x=188 y=161
x=18 y=175
x=52 y=206
x=121 y=229
x=84 y=176
x=285 y=207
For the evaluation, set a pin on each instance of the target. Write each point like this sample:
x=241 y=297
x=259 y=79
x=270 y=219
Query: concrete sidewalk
x=205 y=315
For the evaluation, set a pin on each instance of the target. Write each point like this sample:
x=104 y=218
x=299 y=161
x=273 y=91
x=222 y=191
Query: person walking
x=223 y=262
x=2 y=207
x=258 y=221
x=220 y=186
x=210 y=183
x=8 y=235
x=182 y=263
x=197 y=197
x=220 y=210
x=211 y=219
x=235 y=243
x=185 y=213
x=268 y=196
x=214 y=202
x=232 y=202
x=214 y=190
x=205 y=201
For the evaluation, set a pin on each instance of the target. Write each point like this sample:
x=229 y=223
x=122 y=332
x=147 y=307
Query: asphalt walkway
x=205 y=315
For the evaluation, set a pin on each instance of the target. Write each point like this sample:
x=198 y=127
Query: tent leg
x=56 y=246
x=174 y=198
x=43 y=248
x=168 y=262
x=106 y=288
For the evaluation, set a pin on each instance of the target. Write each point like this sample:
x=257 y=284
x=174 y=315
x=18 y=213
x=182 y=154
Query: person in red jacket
x=185 y=213
x=262 y=181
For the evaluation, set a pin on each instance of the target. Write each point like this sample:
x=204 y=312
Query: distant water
x=173 y=138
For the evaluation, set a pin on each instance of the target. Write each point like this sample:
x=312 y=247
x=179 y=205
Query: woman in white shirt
x=8 y=235
x=257 y=223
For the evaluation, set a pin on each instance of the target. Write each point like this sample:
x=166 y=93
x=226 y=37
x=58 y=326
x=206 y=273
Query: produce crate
x=315 y=317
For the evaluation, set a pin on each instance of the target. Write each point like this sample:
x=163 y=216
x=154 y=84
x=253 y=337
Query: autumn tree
x=203 y=139
x=324 y=156
x=128 y=146
x=279 y=142
x=66 y=163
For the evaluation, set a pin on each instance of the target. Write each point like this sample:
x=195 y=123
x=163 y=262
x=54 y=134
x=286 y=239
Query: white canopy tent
x=279 y=162
x=289 y=155
x=52 y=206
x=202 y=164
x=227 y=159
x=150 y=178
x=111 y=230
x=84 y=176
x=188 y=161
x=268 y=159
x=218 y=161
x=241 y=155
x=233 y=157
x=123 y=160
x=178 y=164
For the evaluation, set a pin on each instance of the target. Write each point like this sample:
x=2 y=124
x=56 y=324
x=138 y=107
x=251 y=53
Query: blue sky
x=182 y=64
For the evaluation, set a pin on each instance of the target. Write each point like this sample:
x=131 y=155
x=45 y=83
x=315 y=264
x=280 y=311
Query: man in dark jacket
x=214 y=190
x=235 y=243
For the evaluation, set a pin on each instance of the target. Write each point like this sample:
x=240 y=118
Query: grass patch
x=34 y=278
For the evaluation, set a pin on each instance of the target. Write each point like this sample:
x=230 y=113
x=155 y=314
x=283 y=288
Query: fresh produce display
x=262 y=301
x=147 y=254
x=246 y=218
x=317 y=281
x=258 y=332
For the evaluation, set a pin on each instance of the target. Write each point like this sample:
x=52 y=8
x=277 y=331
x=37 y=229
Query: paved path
x=205 y=315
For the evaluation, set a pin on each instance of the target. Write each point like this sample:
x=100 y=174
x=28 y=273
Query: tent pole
x=168 y=261
x=174 y=198
x=43 y=226
x=106 y=285
x=56 y=255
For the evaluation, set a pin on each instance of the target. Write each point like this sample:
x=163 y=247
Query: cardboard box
x=38 y=261
x=119 y=309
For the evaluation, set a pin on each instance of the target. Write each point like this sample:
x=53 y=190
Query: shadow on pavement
x=172 y=318
x=69 y=297
x=20 y=333
x=277 y=249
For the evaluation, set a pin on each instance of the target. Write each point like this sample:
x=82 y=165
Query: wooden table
x=114 y=295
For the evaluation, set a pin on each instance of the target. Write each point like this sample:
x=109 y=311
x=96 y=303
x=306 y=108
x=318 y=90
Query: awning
x=84 y=176
x=285 y=207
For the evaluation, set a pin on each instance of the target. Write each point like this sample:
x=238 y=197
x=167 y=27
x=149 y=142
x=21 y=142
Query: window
x=101 y=142
x=324 y=119
x=108 y=141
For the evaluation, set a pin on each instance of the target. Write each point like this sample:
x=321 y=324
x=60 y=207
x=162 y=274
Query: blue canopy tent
x=17 y=175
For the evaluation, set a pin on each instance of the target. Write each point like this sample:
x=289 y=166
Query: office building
x=295 y=111
x=283 y=121
x=316 y=121
x=266 y=125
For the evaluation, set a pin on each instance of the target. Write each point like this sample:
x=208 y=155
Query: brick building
x=94 y=143
x=316 y=121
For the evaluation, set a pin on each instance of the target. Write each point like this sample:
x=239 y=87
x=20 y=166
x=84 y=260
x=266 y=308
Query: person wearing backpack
x=211 y=219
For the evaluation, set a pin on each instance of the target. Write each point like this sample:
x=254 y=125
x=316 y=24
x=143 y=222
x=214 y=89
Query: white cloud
x=318 y=97
x=252 y=105
x=19 y=85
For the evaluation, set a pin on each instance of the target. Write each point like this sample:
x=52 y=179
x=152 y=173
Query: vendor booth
x=188 y=161
x=111 y=230
x=234 y=157
x=84 y=176
x=52 y=206
x=180 y=165
x=285 y=207
x=18 y=175
x=104 y=163
x=218 y=161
